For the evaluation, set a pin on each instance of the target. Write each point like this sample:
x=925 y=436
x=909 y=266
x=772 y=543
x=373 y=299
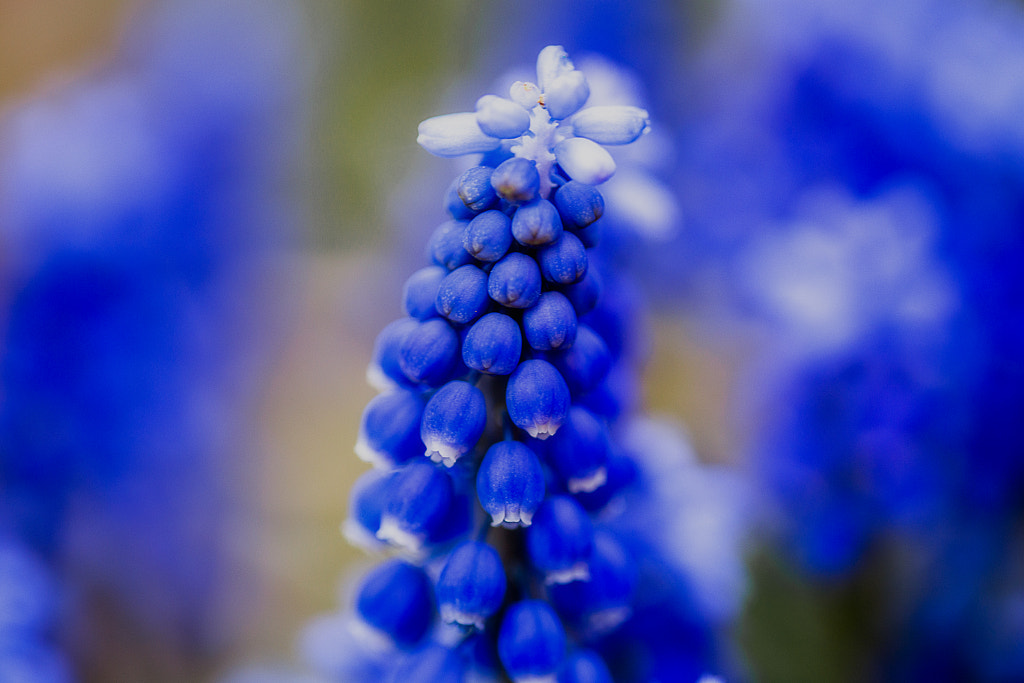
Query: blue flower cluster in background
x=853 y=179
x=144 y=211
x=539 y=528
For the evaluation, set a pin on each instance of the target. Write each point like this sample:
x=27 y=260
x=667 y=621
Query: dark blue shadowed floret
x=510 y=484
x=621 y=473
x=493 y=345
x=462 y=295
x=564 y=261
x=515 y=281
x=445 y=247
x=551 y=323
x=389 y=433
x=585 y=294
x=397 y=599
x=579 y=452
x=560 y=540
x=472 y=585
x=586 y=364
x=453 y=421
x=537 y=398
x=366 y=505
x=603 y=601
x=420 y=292
x=516 y=181
x=536 y=224
x=417 y=501
x=488 y=236
x=531 y=641
x=385 y=369
x=429 y=353
x=474 y=188
x=578 y=204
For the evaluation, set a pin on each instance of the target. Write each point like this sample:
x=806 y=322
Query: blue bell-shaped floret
x=462 y=294
x=474 y=188
x=516 y=181
x=417 y=500
x=537 y=398
x=510 y=484
x=531 y=642
x=493 y=345
x=445 y=247
x=578 y=204
x=396 y=598
x=472 y=585
x=453 y=421
x=585 y=294
x=579 y=451
x=385 y=369
x=564 y=261
x=551 y=323
x=429 y=353
x=515 y=281
x=454 y=205
x=420 y=292
x=560 y=540
x=389 y=433
x=488 y=236
x=536 y=223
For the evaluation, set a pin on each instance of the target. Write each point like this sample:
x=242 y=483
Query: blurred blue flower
x=852 y=180
x=143 y=214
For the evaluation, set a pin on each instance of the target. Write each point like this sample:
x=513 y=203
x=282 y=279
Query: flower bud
x=500 y=117
x=611 y=125
x=536 y=223
x=488 y=236
x=585 y=160
x=514 y=281
x=452 y=135
x=462 y=294
x=493 y=345
x=551 y=323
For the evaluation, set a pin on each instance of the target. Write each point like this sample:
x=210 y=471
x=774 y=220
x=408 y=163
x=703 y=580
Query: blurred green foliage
x=382 y=67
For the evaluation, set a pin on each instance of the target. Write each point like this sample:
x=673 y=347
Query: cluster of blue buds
x=493 y=438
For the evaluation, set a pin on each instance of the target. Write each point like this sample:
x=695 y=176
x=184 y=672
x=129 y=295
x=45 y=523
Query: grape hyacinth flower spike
x=497 y=363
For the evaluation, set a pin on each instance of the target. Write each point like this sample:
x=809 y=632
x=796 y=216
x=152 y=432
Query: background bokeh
x=836 y=315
